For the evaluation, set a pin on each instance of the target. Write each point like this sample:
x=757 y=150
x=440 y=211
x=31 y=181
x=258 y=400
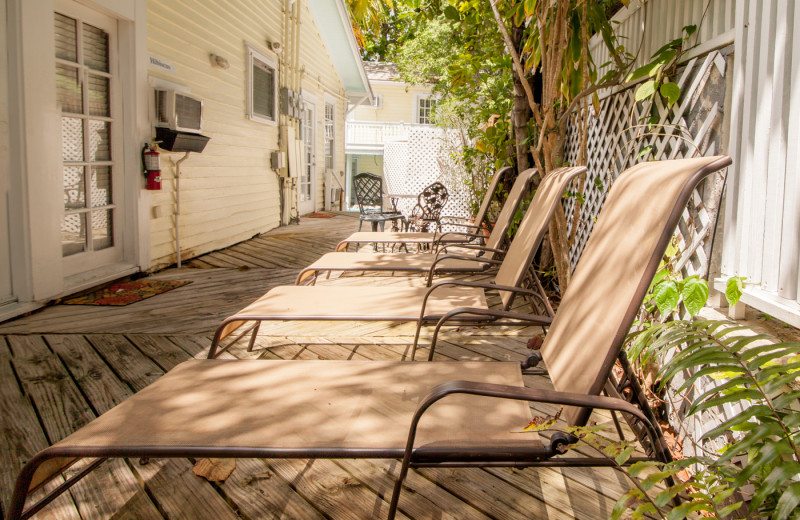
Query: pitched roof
x=381 y=71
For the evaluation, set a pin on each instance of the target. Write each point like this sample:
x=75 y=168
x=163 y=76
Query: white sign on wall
x=162 y=64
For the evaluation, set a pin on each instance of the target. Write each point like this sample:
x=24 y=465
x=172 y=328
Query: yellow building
x=83 y=87
x=397 y=108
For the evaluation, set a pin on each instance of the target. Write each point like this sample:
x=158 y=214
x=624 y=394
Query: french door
x=6 y=289
x=305 y=184
x=86 y=86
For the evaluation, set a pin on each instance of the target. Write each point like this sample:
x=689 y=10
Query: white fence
x=762 y=216
x=644 y=26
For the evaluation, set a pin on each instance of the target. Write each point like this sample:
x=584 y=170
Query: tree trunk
x=521 y=111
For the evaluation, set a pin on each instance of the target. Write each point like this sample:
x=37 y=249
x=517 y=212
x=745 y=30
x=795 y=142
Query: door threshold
x=82 y=281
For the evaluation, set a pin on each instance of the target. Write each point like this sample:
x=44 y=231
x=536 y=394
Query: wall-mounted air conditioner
x=178 y=111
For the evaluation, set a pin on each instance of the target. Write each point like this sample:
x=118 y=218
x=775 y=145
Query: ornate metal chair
x=426 y=214
x=368 y=189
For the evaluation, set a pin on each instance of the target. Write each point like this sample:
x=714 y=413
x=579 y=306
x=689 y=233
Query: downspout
x=178 y=206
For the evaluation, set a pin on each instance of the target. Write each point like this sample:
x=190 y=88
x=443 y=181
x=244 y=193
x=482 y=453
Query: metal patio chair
x=426 y=215
x=450 y=414
x=472 y=231
x=483 y=257
x=368 y=189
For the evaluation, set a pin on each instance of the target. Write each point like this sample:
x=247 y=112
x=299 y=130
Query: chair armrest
x=472 y=246
x=472 y=258
x=460 y=224
x=483 y=285
x=521 y=393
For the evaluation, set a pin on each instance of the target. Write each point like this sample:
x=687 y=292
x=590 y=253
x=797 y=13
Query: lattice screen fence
x=691 y=129
x=411 y=165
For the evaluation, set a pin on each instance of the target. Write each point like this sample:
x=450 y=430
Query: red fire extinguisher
x=152 y=166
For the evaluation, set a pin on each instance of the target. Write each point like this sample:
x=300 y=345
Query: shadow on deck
x=63 y=366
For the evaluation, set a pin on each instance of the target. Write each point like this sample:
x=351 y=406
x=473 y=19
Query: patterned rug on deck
x=320 y=215
x=125 y=293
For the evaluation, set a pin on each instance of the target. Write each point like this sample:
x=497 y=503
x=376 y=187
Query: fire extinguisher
x=151 y=160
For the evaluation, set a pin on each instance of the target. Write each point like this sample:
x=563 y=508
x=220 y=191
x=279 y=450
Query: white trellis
x=689 y=129
x=411 y=164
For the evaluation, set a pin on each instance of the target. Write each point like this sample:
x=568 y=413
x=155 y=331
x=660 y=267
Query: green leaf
x=451 y=13
x=644 y=151
x=682 y=511
x=727 y=510
x=636 y=468
x=671 y=92
x=788 y=502
x=733 y=290
x=695 y=294
x=777 y=477
x=647 y=70
x=668 y=494
x=690 y=30
x=530 y=7
x=666 y=296
x=645 y=90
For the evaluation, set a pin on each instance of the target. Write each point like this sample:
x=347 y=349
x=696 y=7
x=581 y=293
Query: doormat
x=125 y=293
x=320 y=215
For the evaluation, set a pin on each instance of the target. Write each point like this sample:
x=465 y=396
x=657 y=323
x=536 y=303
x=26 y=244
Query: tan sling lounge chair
x=486 y=255
x=455 y=414
x=424 y=305
x=472 y=231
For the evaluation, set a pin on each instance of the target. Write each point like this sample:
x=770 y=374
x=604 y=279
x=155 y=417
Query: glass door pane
x=83 y=90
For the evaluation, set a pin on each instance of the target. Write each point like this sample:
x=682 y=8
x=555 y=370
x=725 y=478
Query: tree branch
x=514 y=55
x=562 y=121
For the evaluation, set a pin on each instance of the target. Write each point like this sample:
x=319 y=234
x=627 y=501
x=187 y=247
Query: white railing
x=373 y=135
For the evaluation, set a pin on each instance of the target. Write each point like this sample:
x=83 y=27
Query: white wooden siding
x=652 y=23
x=320 y=77
x=762 y=217
x=229 y=192
x=398 y=103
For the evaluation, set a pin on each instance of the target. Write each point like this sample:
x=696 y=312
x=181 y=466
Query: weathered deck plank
x=74 y=362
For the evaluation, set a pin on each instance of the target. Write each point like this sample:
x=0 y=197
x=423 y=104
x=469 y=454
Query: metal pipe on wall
x=178 y=206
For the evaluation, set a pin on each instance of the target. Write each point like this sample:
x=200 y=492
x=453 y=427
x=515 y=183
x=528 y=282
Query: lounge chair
x=424 y=305
x=486 y=255
x=455 y=414
x=472 y=231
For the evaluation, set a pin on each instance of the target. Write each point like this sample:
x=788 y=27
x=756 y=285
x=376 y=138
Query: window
x=84 y=82
x=262 y=101
x=425 y=107
x=330 y=133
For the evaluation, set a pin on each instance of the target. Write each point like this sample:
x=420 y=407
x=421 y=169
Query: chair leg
x=360 y=223
x=253 y=337
x=398 y=488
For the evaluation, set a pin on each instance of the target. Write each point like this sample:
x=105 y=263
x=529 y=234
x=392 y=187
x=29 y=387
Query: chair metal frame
x=627 y=397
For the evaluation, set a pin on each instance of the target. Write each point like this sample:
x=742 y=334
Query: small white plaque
x=162 y=64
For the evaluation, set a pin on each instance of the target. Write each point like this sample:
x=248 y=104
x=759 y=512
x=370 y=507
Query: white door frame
x=90 y=260
x=308 y=206
x=6 y=287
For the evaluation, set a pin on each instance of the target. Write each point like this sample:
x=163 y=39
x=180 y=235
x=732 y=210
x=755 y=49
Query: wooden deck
x=64 y=365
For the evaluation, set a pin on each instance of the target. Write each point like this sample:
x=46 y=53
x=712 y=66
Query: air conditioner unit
x=179 y=111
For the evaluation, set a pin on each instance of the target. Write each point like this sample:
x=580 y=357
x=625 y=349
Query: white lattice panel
x=614 y=143
x=411 y=165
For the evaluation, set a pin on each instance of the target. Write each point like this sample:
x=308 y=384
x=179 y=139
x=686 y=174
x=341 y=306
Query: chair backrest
x=532 y=229
x=483 y=210
x=368 y=189
x=610 y=281
x=503 y=222
x=431 y=201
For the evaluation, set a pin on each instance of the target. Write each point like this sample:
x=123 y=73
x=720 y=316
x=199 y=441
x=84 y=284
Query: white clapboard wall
x=762 y=217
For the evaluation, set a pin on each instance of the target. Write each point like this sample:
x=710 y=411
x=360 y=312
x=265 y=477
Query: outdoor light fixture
x=218 y=61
